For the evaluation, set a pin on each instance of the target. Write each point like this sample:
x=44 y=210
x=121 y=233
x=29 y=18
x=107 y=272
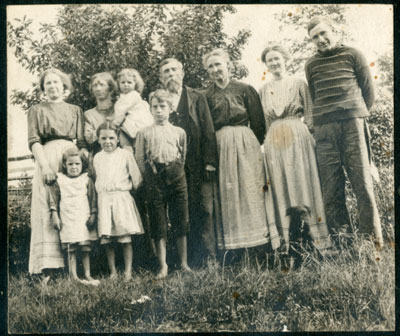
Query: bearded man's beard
x=173 y=85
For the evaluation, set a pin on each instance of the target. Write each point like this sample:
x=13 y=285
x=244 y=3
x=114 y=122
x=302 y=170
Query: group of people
x=220 y=166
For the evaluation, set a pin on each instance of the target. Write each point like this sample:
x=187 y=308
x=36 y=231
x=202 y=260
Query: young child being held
x=160 y=153
x=73 y=211
x=131 y=112
x=116 y=174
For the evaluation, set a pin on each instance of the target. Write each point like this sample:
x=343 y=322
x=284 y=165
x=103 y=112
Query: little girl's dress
x=75 y=208
x=116 y=174
x=132 y=113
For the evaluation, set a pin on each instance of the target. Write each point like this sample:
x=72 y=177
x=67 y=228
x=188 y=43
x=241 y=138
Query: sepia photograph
x=200 y=168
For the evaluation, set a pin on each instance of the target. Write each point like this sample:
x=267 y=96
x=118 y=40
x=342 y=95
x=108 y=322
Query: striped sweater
x=340 y=84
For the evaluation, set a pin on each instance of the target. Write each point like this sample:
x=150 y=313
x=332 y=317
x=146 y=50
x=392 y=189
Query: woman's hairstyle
x=130 y=72
x=317 y=20
x=108 y=124
x=217 y=52
x=65 y=79
x=161 y=95
x=278 y=48
x=105 y=76
x=73 y=152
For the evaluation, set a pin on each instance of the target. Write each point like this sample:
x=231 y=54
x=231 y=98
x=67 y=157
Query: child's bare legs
x=86 y=268
x=128 y=258
x=111 y=259
x=72 y=265
x=86 y=265
x=181 y=244
x=162 y=258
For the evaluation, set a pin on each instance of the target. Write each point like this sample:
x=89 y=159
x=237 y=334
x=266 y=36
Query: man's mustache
x=173 y=85
x=174 y=81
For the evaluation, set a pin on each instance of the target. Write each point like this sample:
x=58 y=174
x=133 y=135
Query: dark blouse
x=52 y=121
x=236 y=105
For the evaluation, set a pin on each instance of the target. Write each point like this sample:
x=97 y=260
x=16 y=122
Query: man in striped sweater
x=342 y=91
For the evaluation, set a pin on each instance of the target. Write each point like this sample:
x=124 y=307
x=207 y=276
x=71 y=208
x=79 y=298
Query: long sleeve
x=80 y=136
x=137 y=118
x=134 y=171
x=364 y=78
x=54 y=196
x=183 y=144
x=123 y=104
x=89 y=130
x=267 y=116
x=255 y=113
x=140 y=152
x=92 y=196
x=307 y=104
x=208 y=138
x=33 y=127
x=310 y=83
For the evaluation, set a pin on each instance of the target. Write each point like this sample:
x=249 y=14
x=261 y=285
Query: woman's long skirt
x=293 y=174
x=241 y=186
x=45 y=247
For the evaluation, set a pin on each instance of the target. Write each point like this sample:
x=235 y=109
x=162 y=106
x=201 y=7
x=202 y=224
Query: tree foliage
x=381 y=121
x=297 y=19
x=94 y=38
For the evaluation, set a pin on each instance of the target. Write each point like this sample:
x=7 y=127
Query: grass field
x=349 y=291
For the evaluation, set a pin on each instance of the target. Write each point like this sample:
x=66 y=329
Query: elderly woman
x=53 y=127
x=102 y=86
x=289 y=147
x=240 y=128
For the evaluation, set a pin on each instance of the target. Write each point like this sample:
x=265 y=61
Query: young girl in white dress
x=73 y=211
x=131 y=112
x=116 y=173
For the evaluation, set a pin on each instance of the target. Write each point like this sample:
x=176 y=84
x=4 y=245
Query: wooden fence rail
x=20 y=158
x=20 y=169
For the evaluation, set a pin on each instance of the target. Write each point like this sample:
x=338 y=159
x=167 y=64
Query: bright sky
x=371 y=27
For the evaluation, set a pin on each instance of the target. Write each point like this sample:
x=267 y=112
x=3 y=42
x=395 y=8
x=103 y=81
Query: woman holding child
x=103 y=87
x=53 y=127
x=289 y=147
x=130 y=112
x=240 y=128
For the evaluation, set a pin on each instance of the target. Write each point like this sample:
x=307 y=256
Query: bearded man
x=191 y=113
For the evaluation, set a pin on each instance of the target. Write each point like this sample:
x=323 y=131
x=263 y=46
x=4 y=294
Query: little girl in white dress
x=73 y=211
x=116 y=174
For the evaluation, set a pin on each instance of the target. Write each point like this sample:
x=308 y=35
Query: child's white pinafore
x=74 y=209
x=116 y=174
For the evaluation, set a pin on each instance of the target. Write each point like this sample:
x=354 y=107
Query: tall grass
x=348 y=291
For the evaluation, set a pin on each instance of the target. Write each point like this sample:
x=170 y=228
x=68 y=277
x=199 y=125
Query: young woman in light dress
x=53 y=127
x=289 y=147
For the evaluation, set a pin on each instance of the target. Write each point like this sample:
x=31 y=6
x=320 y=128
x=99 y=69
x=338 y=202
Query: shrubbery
x=19 y=208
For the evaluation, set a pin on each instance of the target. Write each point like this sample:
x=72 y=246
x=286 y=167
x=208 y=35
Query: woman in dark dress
x=240 y=129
